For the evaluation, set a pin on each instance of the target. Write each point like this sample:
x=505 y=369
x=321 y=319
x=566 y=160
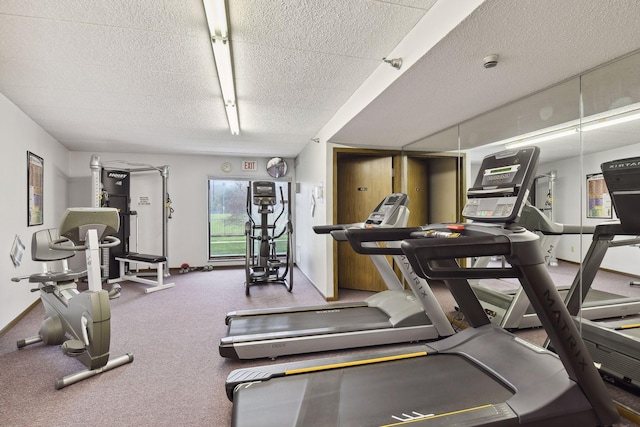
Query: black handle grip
x=326 y=229
x=357 y=236
x=420 y=253
x=578 y=229
x=339 y=235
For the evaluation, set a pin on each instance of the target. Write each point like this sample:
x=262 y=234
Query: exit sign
x=249 y=165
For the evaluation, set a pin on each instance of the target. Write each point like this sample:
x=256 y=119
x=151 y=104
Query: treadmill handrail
x=339 y=235
x=367 y=241
x=532 y=219
x=358 y=236
x=577 y=229
x=327 y=229
x=463 y=247
x=603 y=236
x=525 y=255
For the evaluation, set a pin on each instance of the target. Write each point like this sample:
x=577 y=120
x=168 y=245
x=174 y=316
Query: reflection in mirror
x=579 y=125
x=545 y=116
x=446 y=140
x=277 y=167
x=611 y=132
x=433 y=178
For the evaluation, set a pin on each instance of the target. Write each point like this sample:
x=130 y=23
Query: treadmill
x=511 y=310
x=392 y=316
x=615 y=345
x=481 y=376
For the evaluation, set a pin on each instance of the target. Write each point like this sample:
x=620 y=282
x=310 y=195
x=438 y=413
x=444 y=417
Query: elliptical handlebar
x=107 y=242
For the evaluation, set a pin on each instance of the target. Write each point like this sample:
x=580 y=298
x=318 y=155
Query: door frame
x=340 y=152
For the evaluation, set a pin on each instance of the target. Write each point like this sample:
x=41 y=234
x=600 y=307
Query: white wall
x=20 y=134
x=187 y=188
x=570 y=208
x=314 y=254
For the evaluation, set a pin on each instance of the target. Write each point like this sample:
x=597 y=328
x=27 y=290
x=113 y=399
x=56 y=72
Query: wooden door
x=362 y=183
x=443 y=190
x=433 y=187
x=418 y=191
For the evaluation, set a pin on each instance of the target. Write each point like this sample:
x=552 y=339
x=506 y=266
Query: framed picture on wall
x=598 y=199
x=35 y=194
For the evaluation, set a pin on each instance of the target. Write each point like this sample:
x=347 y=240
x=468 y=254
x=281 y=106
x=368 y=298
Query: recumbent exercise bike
x=78 y=321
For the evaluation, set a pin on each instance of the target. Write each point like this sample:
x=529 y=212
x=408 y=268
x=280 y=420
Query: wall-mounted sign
x=144 y=201
x=249 y=165
x=598 y=198
x=35 y=183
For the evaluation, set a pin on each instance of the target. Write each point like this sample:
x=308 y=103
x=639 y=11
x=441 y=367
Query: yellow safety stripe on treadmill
x=446 y=414
x=355 y=363
x=627 y=412
x=632 y=326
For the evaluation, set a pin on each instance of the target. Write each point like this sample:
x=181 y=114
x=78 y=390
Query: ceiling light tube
x=222 y=55
x=219 y=32
x=216 y=13
x=610 y=121
x=631 y=112
x=232 y=118
x=540 y=138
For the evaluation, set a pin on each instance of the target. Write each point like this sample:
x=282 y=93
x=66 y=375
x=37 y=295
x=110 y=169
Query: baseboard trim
x=21 y=316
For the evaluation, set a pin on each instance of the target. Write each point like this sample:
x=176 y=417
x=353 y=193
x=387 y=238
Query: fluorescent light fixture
x=219 y=32
x=521 y=142
x=216 y=12
x=596 y=121
x=610 y=121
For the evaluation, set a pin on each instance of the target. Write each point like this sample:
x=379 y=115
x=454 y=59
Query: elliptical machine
x=78 y=321
x=265 y=265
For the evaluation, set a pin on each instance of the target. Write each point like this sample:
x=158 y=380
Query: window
x=228 y=215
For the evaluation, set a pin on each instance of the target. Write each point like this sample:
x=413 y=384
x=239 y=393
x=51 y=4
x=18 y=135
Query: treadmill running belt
x=415 y=388
x=349 y=318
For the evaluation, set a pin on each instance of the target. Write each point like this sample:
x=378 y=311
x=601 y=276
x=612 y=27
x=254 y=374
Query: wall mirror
x=277 y=167
x=578 y=124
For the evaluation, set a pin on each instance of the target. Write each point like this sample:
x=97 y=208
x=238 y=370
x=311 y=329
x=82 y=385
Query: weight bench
x=157 y=261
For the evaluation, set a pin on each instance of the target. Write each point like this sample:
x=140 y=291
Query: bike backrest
x=40 y=250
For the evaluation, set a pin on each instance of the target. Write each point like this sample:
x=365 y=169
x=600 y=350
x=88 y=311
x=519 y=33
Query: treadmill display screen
x=391 y=200
x=623 y=183
x=387 y=210
x=500 y=176
x=501 y=187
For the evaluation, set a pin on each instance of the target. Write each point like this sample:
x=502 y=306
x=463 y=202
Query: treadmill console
x=623 y=182
x=388 y=211
x=502 y=186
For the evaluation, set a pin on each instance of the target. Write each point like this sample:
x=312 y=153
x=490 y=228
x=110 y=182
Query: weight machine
x=548 y=242
x=265 y=265
x=111 y=187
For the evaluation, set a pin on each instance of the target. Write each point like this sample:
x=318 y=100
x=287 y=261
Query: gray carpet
x=177 y=377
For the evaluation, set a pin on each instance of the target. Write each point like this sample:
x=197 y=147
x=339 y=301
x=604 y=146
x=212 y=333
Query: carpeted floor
x=177 y=377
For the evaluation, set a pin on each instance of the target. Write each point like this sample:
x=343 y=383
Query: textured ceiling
x=540 y=43
x=139 y=76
